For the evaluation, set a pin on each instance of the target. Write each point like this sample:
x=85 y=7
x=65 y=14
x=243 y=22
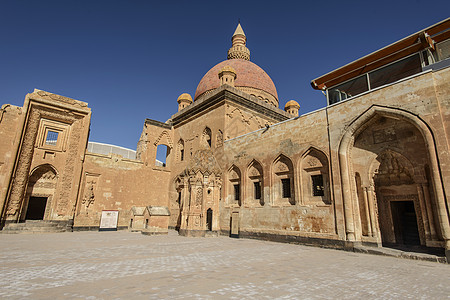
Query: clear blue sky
x=130 y=60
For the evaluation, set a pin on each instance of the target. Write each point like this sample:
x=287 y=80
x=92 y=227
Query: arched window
x=207 y=136
x=234 y=186
x=254 y=189
x=283 y=185
x=180 y=150
x=162 y=153
x=315 y=178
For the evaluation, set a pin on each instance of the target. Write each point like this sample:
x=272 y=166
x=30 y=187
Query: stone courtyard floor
x=124 y=265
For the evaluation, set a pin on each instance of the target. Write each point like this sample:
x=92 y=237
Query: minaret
x=238 y=49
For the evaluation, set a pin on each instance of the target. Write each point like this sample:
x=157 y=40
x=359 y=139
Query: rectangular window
x=257 y=188
x=237 y=191
x=443 y=50
x=286 y=185
x=182 y=154
x=396 y=71
x=317 y=185
x=349 y=89
x=52 y=138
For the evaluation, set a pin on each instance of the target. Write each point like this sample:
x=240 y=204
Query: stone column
x=427 y=200
x=442 y=213
x=346 y=195
x=423 y=209
x=367 y=216
x=372 y=213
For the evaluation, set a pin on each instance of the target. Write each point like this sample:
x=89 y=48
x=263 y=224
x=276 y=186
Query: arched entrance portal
x=40 y=192
x=391 y=188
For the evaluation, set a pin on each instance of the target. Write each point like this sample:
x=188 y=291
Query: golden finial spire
x=238 y=49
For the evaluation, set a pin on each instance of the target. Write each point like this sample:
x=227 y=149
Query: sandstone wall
x=11 y=122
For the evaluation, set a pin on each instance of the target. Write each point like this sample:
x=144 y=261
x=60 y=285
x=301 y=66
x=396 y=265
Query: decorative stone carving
x=393 y=170
x=59 y=98
x=199 y=197
x=165 y=134
x=219 y=139
x=89 y=195
x=281 y=167
x=313 y=162
x=384 y=135
x=26 y=155
x=23 y=165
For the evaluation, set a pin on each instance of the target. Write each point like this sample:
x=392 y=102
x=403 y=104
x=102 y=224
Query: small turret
x=184 y=100
x=292 y=108
x=227 y=75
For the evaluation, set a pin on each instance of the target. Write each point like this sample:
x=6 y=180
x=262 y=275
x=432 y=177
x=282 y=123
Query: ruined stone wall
x=11 y=120
x=111 y=182
x=54 y=135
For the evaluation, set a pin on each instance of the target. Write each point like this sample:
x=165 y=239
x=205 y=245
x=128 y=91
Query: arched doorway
x=399 y=212
x=401 y=183
x=40 y=192
x=209 y=219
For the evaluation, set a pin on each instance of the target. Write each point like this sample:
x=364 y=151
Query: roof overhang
x=418 y=41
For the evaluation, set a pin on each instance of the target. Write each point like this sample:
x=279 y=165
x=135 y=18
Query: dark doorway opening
x=209 y=215
x=405 y=223
x=36 y=208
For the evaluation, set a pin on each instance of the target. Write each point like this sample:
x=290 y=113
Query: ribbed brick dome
x=248 y=75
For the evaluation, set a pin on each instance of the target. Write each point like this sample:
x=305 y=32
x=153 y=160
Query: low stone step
x=36 y=226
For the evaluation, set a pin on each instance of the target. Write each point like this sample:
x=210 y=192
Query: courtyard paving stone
x=125 y=265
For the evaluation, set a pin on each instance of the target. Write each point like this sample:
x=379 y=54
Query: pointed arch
x=283 y=184
x=234 y=186
x=357 y=126
x=164 y=139
x=315 y=177
x=254 y=185
x=207 y=137
x=39 y=197
x=180 y=150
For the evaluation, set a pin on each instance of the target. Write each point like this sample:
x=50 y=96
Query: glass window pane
x=349 y=89
x=443 y=49
x=396 y=71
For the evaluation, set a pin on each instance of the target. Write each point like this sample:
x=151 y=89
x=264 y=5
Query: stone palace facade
x=371 y=168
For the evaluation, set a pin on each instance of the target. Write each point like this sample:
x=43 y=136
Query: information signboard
x=109 y=219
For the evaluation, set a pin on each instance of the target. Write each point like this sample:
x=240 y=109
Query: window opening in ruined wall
x=283 y=185
x=237 y=191
x=207 y=136
x=254 y=184
x=52 y=138
x=234 y=186
x=257 y=190
x=286 y=187
x=317 y=185
x=162 y=151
